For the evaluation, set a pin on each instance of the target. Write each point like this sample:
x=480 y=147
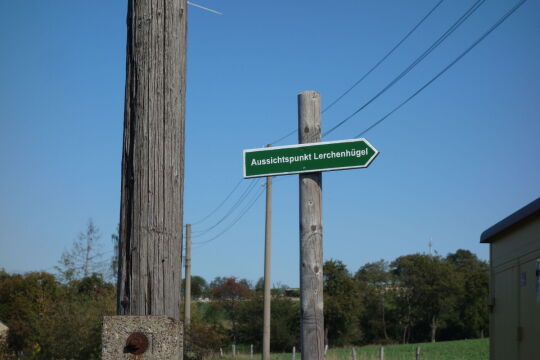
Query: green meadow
x=477 y=349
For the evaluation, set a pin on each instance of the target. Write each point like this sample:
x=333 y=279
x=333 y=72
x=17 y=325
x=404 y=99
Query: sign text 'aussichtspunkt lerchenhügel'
x=312 y=157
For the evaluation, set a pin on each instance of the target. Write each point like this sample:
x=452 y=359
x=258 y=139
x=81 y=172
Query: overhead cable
x=419 y=59
x=292 y=132
x=458 y=23
x=284 y=137
x=219 y=206
x=384 y=57
x=244 y=195
x=472 y=46
x=236 y=220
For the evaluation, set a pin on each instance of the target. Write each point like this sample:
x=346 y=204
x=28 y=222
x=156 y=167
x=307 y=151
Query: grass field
x=477 y=349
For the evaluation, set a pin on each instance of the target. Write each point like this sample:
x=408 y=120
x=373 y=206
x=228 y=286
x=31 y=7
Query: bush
x=284 y=324
x=50 y=320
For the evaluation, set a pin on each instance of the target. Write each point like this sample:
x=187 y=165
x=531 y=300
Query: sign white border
x=269 y=148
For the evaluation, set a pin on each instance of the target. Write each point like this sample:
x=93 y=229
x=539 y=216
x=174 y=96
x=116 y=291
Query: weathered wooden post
x=151 y=208
x=381 y=353
x=187 y=289
x=267 y=265
x=418 y=353
x=311 y=271
x=153 y=160
x=354 y=353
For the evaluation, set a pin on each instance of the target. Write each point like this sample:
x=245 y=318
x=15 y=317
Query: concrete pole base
x=141 y=337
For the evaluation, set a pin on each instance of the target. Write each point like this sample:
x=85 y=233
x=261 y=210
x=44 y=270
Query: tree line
x=414 y=298
x=58 y=316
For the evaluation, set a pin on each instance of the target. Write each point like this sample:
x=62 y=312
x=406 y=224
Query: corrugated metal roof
x=520 y=215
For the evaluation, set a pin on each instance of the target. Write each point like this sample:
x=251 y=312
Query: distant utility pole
x=267 y=258
x=151 y=212
x=187 y=289
x=311 y=266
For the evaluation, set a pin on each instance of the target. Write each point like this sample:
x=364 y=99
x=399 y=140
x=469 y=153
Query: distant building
x=514 y=252
x=292 y=292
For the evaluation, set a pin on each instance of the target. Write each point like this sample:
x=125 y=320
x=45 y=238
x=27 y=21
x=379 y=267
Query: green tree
x=378 y=295
x=229 y=293
x=26 y=302
x=73 y=331
x=284 y=323
x=259 y=286
x=342 y=305
x=204 y=339
x=199 y=287
x=51 y=320
x=428 y=290
x=470 y=317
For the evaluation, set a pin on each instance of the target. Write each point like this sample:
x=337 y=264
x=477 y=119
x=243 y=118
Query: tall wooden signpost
x=309 y=158
x=149 y=275
x=311 y=258
x=267 y=265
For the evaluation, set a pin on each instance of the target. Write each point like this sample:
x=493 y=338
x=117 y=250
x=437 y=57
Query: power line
x=236 y=220
x=242 y=198
x=384 y=57
x=246 y=210
x=244 y=195
x=204 y=8
x=472 y=46
x=467 y=14
x=339 y=98
x=219 y=206
x=419 y=59
x=284 y=137
x=236 y=205
x=292 y=132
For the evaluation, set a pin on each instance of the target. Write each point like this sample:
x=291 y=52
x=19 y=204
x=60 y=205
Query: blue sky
x=459 y=157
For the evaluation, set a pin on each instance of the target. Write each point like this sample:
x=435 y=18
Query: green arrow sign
x=302 y=158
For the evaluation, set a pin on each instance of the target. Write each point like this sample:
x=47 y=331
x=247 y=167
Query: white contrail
x=204 y=8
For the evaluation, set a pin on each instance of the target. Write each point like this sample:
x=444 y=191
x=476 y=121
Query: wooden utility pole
x=267 y=257
x=153 y=159
x=187 y=289
x=311 y=266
